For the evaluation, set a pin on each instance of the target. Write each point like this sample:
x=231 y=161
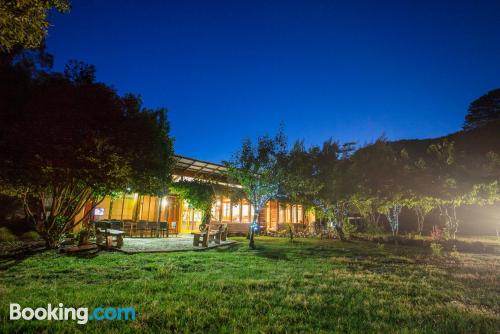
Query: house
x=237 y=214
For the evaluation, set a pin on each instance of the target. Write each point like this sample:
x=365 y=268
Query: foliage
x=200 y=195
x=436 y=248
x=348 y=228
x=24 y=22
x=437 y=234
x=30 y=236
x=258 y=168
x=392 y=212
x=422 y=206
x=483 y=110
x=84 y=142
x=6 y=235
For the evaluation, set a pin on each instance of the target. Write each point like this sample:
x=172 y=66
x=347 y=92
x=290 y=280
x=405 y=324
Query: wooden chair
x=211 y=232
x=153 y=229
x=223 y=232
x=142 y=226
x=163 y=229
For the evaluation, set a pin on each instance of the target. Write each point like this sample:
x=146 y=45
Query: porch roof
x=185 y=166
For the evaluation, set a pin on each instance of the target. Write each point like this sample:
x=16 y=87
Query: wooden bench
x=211 y=232
x=109 y=237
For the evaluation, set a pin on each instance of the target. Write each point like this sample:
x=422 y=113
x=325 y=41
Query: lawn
x=306 y=286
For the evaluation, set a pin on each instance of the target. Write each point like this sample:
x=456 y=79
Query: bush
x=437 y=249
x=454 y=252
x=6 y=235
x=437 y=234
x=348 y=228
x=30 y=236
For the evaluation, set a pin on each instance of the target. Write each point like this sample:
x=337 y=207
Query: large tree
x=257 y=167
x=71 y=141
x=483 y=110
x=379 y=175
x=24 y=22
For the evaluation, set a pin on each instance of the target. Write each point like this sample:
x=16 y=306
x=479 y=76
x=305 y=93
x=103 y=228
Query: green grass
x=307 y=286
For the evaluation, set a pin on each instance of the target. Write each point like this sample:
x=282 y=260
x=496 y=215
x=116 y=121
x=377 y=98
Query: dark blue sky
x=351 y=70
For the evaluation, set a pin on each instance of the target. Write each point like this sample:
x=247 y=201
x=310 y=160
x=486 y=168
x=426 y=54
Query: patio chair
x=153 y=228
x=142 y=227
x=223 y=230
x=129 y=227
x=163 y=230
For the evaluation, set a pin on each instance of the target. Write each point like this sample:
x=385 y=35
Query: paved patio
x=183 y=242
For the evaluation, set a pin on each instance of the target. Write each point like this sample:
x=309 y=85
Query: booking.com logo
x=81 y=315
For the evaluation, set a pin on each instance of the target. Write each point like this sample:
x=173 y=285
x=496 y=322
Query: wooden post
x=110 y=207
x=123 y=206
x=230 y=210
x=149 y=205
x=220 y=208
x=241 y=211
x=277 y=214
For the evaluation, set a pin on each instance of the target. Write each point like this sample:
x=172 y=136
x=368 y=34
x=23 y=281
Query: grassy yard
x=306 y=286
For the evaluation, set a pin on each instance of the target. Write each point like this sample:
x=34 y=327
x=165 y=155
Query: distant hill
x=476 y=142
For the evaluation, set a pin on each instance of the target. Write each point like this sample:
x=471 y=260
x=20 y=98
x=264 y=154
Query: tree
x=483 y=110
x=73 y=142
x=422 y=206
x=257 y=167
x=24 y=23
x=332 y=170
x=300 y=184
x=200 y=195
x=448 y=182
x=379 y=174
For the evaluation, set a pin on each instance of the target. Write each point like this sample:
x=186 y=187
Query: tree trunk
x=253 y=226
x=251 y=244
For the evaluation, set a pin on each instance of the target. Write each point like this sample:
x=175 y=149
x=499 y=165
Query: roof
x=189 y=166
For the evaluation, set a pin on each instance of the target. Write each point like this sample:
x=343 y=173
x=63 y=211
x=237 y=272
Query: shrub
x=437 y=249
x=30 y=236
x=6 y=235
x=348 y=228
x=454 y=252
x=437 y=234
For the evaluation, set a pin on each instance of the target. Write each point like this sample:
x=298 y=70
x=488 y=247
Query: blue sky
x=350 y=70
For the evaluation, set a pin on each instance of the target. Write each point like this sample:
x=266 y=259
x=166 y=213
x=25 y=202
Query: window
x=245 y=213
x=226 y=210
x=236 y=213
x=282 y=216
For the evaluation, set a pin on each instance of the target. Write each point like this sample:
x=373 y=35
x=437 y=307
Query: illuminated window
x=282 y=217
x=226 y=210
x=245 y=213
x=236 y=213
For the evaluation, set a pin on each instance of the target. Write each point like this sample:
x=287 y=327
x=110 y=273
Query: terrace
x=182 y=242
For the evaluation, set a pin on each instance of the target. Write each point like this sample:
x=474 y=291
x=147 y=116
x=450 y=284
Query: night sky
x=350 y=70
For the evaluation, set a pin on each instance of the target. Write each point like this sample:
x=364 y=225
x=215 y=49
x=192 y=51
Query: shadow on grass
x=10 y=260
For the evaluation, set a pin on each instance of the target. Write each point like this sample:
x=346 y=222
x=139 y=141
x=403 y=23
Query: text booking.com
x=81 y=315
